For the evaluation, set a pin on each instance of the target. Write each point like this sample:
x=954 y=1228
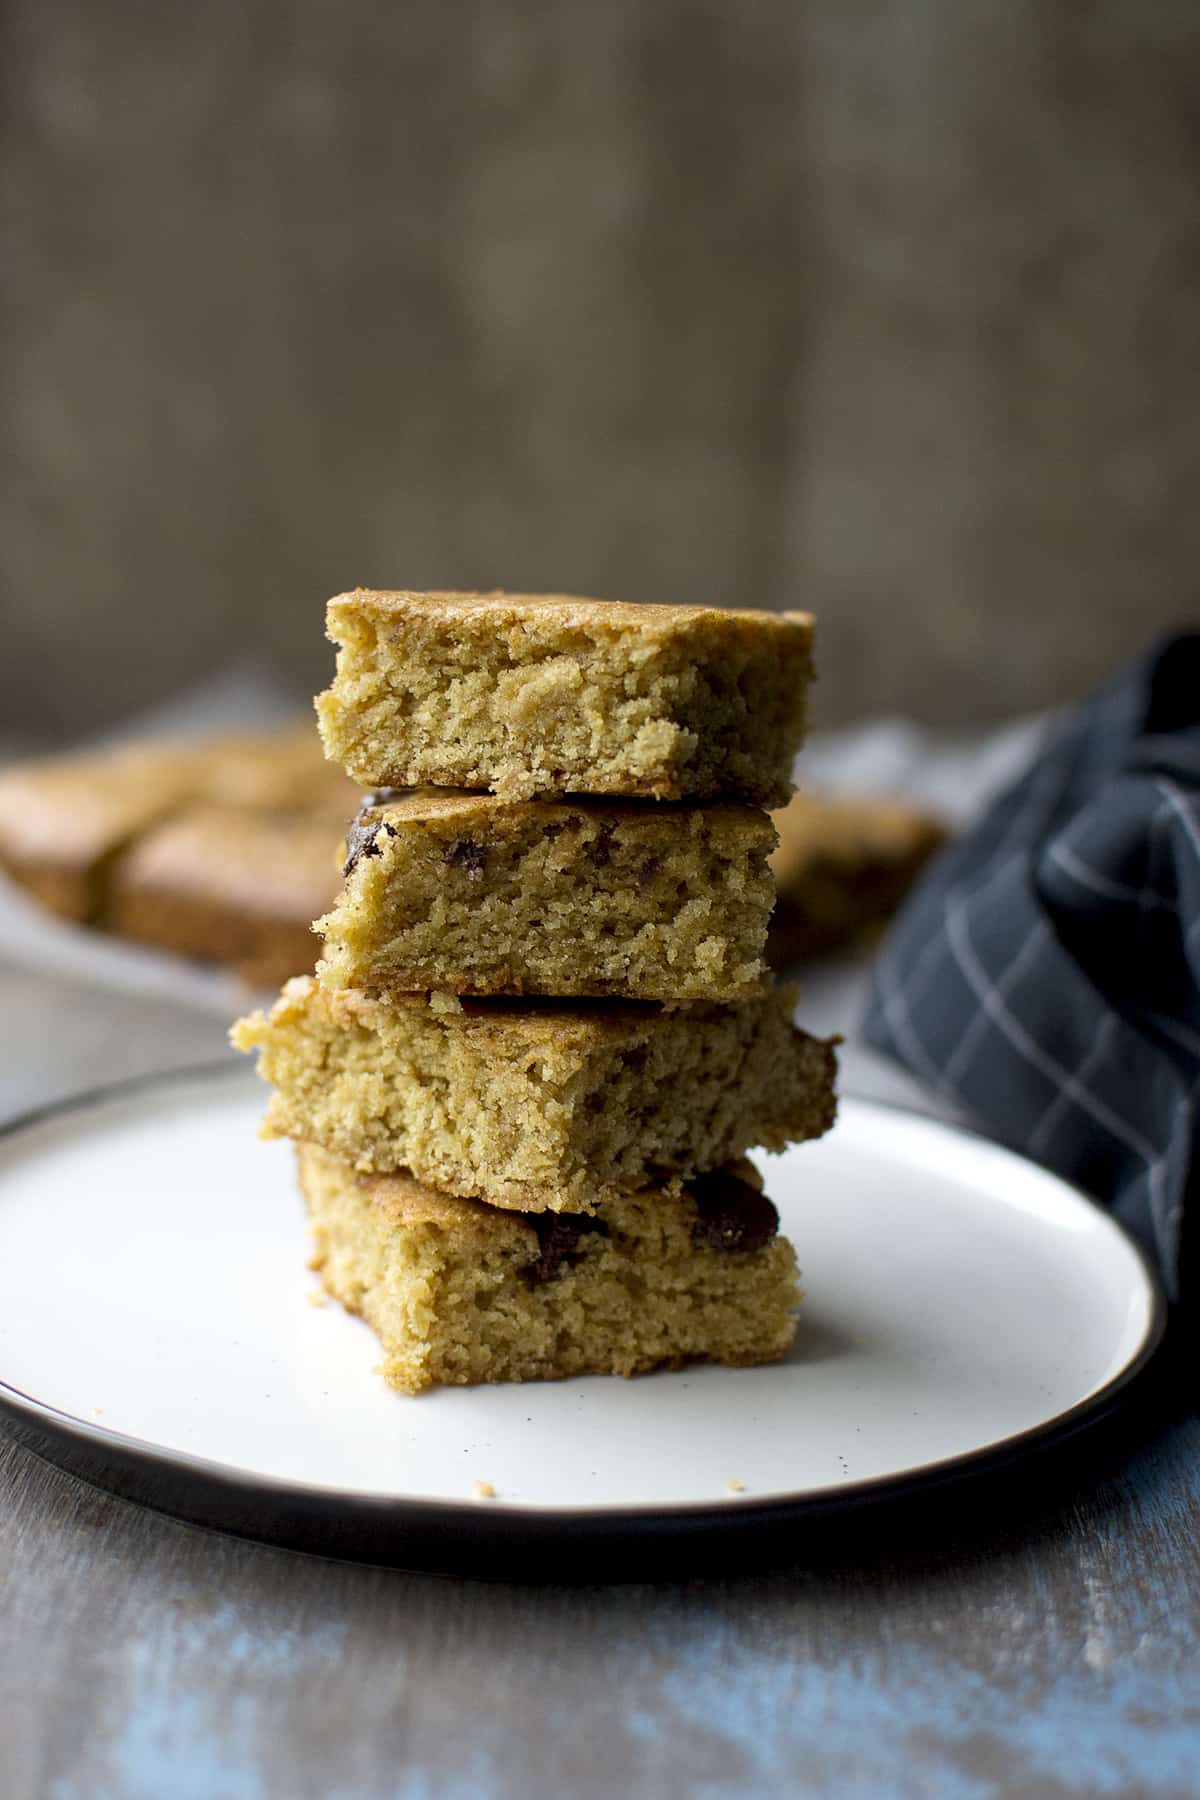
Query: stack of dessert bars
x=542 y=1035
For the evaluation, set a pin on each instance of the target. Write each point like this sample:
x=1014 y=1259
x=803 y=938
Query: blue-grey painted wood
x=1036 y=1637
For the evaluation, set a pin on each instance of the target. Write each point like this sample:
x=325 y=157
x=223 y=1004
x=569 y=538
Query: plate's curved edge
x=489 y=1537
x=467 y=1536
x=90 y=1098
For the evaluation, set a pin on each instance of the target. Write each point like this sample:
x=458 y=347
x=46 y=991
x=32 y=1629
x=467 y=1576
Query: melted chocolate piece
x=362 y=831
x=599 y=852
x=558 y=1236
x=730 y=1214
x=466 y=854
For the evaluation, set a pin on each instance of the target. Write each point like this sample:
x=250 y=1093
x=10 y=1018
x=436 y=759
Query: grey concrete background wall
x=890 y=309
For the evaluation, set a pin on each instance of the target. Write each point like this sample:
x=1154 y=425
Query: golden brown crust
x=526 y=1020
x=501 y=816
x=263 y=952
x=542 y=1019
x=569 y=612
x=69 y=893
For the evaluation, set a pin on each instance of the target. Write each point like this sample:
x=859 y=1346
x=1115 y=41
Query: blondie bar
x=459 y=1293
x=230 y=886
x=536 y=1105
x=65 y=822
x=531 y=694
x=843 y=865
x=478 y=895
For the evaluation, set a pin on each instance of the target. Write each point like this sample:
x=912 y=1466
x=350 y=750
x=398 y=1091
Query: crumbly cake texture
x=842 y=867
x=529 y=694
x=477 y=895
x=226 y=885
x=459 y=1293
x=535 y=1106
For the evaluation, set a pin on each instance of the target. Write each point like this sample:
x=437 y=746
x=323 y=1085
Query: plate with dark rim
x=161 y=1336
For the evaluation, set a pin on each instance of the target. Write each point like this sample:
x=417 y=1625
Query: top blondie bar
x=531 y=694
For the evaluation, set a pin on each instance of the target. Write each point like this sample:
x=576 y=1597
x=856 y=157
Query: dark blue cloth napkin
x=1045 y=973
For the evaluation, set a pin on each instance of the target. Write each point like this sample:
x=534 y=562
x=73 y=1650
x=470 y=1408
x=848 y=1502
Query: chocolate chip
x=599 y=850
x=731 y=1214
x=466 y=854
x=363 y=831
x=645 y=872
x=558 y=1236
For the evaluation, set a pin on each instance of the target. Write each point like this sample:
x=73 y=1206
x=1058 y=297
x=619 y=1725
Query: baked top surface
x=283 y=863
x=75 y=807
x=432 y=804
x=514 y=1024
x=570 y=611
x=72 y=808
x=405 y=1201
x=533 y=1017
x=850 y=829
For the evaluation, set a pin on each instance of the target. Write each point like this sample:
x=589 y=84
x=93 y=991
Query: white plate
x=156 y=1335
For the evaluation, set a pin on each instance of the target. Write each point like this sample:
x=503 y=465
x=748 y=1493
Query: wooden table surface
x=1036 y=1636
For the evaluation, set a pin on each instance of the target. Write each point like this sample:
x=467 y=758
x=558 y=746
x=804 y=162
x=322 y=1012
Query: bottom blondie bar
x=459 y=1292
